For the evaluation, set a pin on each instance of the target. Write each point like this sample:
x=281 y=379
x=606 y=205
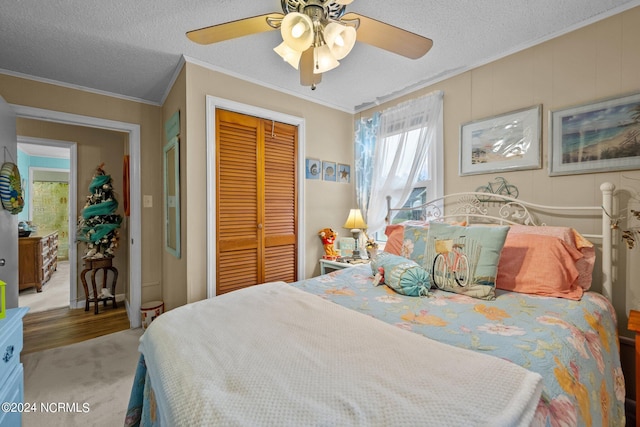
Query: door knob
x=259 y=226
x=2 y=262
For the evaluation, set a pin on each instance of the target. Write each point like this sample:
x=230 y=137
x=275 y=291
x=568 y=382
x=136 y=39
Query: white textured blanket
x=275 y=355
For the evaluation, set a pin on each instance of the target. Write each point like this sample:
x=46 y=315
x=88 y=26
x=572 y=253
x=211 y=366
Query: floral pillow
x=401 y=274
x=408 y=239
x=465 y=260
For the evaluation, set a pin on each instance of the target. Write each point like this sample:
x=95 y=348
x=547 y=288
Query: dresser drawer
x=12 y=391
x=10 y=345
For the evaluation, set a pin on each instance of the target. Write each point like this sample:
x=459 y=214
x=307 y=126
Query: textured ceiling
x=132 y=48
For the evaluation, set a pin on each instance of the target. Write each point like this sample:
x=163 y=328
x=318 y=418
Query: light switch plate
x=147 y=201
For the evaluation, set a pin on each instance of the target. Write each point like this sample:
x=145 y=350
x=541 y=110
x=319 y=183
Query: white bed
x=337 y=350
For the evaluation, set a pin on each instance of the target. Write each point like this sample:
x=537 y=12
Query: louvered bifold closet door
x=239 y=242
x=280 y=196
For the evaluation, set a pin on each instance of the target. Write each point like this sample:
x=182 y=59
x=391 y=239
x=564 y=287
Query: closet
x=256 y=201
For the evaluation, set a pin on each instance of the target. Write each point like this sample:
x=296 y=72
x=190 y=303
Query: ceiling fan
x=316 y=34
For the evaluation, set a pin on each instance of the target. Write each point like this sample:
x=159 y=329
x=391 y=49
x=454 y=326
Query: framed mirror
x=172 y=196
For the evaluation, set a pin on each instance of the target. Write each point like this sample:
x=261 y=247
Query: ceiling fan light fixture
x=292 y=57
x=323 y=60
x=297 y=31
x=340 y=39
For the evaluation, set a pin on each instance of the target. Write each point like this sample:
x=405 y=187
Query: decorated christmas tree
x=98 y=223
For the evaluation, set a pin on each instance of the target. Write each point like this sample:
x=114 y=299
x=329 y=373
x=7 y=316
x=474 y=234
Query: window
x=404 y=144
x=429 y=176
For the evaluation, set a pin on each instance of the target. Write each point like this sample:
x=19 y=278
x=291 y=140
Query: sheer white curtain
x=406 y=134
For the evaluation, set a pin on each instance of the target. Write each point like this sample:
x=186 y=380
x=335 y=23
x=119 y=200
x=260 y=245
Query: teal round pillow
x=402 y=275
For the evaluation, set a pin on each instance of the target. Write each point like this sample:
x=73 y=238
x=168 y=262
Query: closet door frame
x=225 y=104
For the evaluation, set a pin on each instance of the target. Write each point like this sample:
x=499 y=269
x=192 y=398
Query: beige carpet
x=97 y=372
x=55 y=293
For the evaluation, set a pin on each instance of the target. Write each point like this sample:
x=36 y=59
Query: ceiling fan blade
x=307 y=76
x=234 y=29
x=388 y=37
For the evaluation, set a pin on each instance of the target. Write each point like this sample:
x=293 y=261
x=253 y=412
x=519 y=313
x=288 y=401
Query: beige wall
x=57 y=98
x=94 y=146
x=329 y=136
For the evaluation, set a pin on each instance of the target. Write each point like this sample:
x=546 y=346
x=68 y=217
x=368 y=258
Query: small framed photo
x=313 y=169
x=329 y=171
x=600 y=136
x=344 y=173
x=506 y=142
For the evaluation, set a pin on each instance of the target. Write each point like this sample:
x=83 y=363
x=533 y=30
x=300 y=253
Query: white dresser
x=11 y=376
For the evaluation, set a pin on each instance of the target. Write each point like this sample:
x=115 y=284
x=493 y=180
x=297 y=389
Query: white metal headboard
x=475 y=207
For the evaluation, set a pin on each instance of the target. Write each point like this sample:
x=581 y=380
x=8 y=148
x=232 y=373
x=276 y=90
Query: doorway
x=50 y=201
x=133 y=301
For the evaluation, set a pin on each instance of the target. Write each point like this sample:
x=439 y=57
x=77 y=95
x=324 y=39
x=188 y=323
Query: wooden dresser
x=37 y=260
x=11 y=371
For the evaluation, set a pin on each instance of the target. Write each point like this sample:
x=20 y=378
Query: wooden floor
x=64 y=326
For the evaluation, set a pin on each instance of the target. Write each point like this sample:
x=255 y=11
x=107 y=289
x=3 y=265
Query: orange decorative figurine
x=328 y=237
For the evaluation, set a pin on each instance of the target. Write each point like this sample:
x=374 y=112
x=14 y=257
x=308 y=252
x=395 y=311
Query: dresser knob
x=8 y=354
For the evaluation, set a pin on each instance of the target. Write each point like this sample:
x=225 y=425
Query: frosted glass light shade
x=297 y=31
x=340 y=39
x=323 y=60
x=289 y=55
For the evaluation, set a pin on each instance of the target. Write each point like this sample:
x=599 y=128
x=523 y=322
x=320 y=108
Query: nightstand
x=327 y=266
x=634 y=325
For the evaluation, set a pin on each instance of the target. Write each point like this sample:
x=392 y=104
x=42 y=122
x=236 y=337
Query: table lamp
x=356 y=224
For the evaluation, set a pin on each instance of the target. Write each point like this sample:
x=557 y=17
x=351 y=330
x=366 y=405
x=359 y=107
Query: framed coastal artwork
x=329 y=171
x=505 y=142
x=344 y=173
x=313 y=169
x=599 y=136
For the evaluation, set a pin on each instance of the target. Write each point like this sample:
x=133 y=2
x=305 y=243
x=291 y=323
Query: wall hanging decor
x=595 y=137
x=506 y=142
x=11 y=188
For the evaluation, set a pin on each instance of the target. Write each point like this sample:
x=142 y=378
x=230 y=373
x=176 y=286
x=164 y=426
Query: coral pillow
x=539 y=264
x=572 y=238
x=395 y=235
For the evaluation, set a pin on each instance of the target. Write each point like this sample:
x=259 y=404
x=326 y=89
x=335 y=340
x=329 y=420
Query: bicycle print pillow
x=467 y=258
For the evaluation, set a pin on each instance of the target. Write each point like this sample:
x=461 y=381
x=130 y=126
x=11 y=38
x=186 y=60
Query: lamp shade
x=323 y=60
x=297 y=31
x=289 y=55
x=340 y=39
x=355 y=220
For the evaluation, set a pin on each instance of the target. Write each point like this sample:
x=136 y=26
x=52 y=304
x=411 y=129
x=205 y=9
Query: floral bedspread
x=572 y=344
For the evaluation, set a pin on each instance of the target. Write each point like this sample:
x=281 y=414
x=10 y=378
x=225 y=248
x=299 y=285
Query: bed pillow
x=572 y=238
x=401 y=274
x=395 y=237
x=408 y=239
x=414 y=245
x=540 y=265
x=481 y=247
